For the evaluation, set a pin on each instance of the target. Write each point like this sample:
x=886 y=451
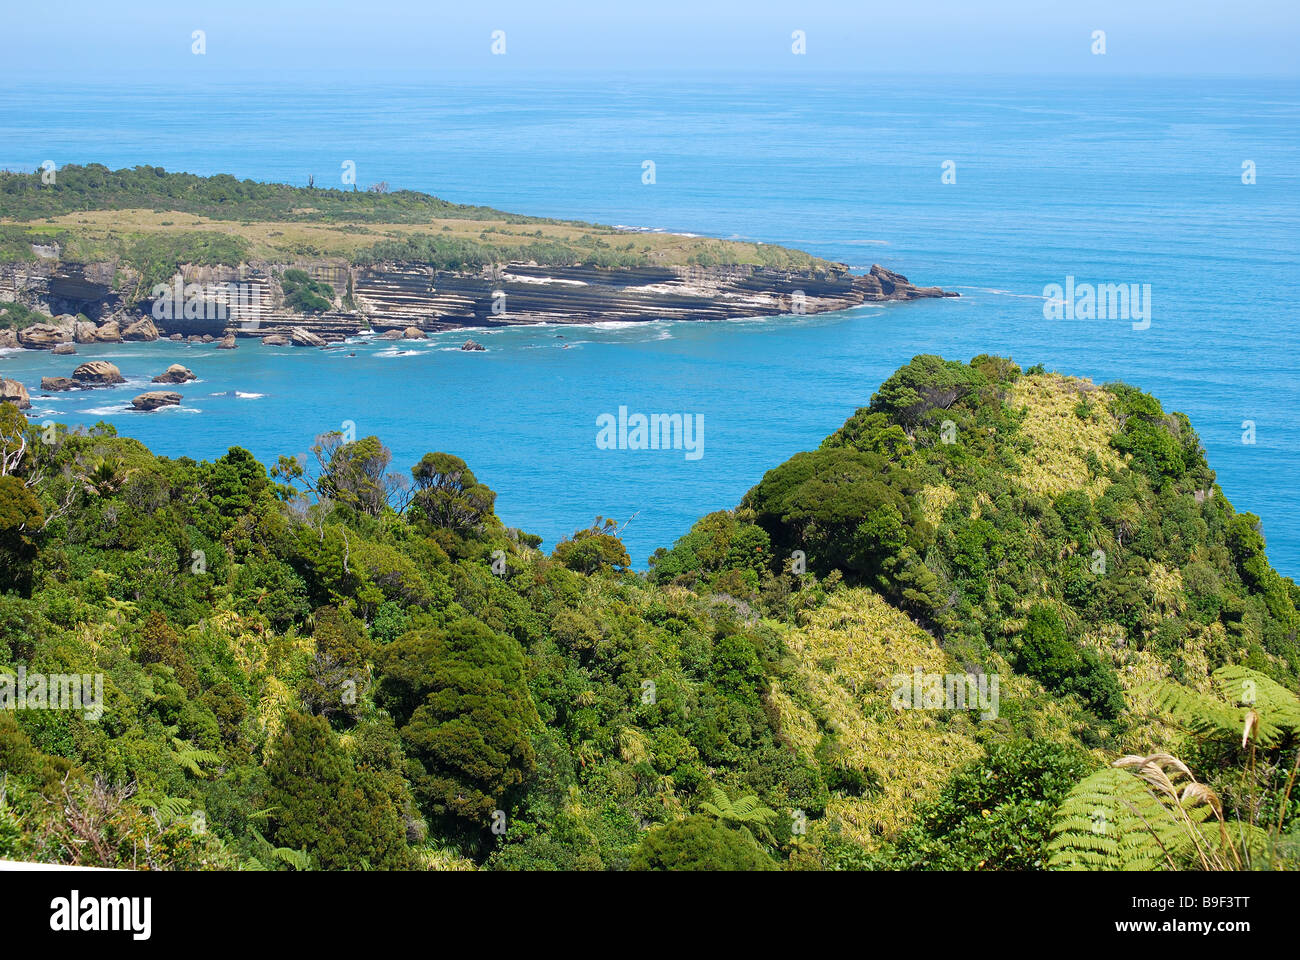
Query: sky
x=90 y=41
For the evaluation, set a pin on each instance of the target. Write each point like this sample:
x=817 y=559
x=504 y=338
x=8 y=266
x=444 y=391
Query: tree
x=744 y=812
x=699 y=843
x=337 y=676
x=927 y=383
x=354 y=474
x=21 y=518
x=460 y=697
x=321 y=804
x=595 y=548
x=846 y=509
x=448 y=495
x=1047 y=654
x=995 y=813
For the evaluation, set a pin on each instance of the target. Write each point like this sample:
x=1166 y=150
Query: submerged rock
x=155 y=399
x=175 y=374
x=11 y=391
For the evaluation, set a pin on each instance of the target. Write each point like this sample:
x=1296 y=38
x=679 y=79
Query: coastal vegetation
x=357 y=665
x=152 y=221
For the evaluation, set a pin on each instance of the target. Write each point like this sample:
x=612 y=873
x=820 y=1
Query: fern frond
x=1247 y=705
x=297 y=859
x=1141 y=813
x=193 y=758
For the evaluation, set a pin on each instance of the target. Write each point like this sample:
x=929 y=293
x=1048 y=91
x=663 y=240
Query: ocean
x=1133 y=181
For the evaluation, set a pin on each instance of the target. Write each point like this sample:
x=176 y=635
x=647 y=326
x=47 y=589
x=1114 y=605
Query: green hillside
x=360 y=667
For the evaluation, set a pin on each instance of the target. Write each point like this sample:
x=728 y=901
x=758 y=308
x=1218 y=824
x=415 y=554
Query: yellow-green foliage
x=849 y=652
x=1138 y=670
x=1061 y=439
x=934 y=500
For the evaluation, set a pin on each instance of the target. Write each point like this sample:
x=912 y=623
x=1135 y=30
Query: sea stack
x=175 y=374
x=99 y=373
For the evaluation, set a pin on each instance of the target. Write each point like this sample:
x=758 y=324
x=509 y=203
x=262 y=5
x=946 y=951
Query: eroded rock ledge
x=417 y=297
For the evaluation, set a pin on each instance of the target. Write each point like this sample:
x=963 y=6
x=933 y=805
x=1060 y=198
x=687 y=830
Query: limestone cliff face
x=393 y=296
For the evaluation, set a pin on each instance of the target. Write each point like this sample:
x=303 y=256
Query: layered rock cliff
x=396 y=296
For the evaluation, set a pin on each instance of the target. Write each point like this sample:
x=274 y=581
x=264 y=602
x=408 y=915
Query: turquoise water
x=1124 y=181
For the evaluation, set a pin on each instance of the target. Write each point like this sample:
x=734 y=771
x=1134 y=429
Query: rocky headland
x=91 y=303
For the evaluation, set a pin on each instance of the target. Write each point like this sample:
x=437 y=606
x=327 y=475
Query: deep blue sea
x=1124 y=181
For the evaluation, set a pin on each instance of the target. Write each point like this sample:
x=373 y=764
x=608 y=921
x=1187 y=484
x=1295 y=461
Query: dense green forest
x=356 y=665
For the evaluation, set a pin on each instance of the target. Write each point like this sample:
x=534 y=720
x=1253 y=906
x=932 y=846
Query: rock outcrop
x=175 y=374
x=276 y=340
x=227 y=342
x=472 y=345
x=109 y=332
x=63 y=349
x=398 y=296
x=143 y=329
x=43 y=336
x=11 y=391
x=83 y=331
x=8 y=339
x=61 y=384
x=155 y=399
x=302 y=337
x=408 y=300
x=99 y=373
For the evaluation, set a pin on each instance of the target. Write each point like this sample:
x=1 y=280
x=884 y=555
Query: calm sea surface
x=1107 y=181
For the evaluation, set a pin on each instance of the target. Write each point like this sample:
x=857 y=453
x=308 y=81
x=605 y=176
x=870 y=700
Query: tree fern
x=193 y=758
x=1141 y=813
x=297 y=859
x=171 y=809
x=747 y=811
x=1246 y=705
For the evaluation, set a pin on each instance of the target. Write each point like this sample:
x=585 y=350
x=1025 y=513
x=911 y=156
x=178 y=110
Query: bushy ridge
x=346 y=666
